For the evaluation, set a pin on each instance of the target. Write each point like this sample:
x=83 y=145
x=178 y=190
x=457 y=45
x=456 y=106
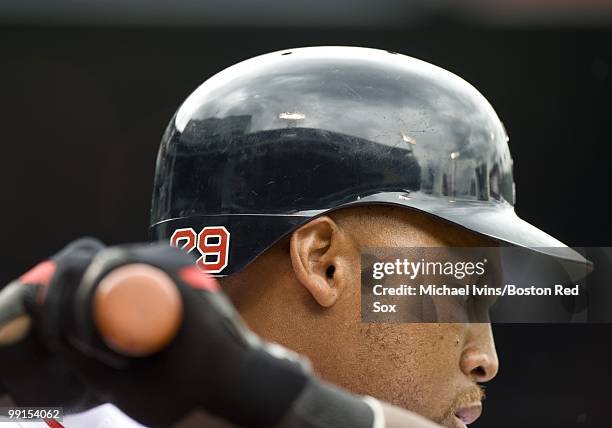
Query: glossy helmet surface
x=269 y=143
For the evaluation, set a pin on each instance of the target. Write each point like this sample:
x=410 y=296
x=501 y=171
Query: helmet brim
x=259 y=231
x=496 y=220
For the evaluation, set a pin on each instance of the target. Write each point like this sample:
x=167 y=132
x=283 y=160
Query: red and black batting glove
x=212 y=362
x=31 y=370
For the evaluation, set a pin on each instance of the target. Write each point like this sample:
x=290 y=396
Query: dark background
x=83 y=107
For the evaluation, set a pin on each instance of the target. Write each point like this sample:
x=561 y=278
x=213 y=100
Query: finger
x=14 y=319
x=14 y=330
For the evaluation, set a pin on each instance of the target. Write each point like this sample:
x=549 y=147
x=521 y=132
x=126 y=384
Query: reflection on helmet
x=271 y=142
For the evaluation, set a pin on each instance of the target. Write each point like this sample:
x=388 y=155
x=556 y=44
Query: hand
x=211 y=360
x=214 y=362
x=38 y=376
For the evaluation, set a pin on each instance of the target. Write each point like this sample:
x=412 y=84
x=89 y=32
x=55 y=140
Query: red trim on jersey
x=52 y=423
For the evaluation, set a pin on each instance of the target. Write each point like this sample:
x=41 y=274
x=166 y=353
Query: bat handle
x=137 y=310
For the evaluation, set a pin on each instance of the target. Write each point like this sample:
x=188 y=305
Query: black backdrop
x=83 y=109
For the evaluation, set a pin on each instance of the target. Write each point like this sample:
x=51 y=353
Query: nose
x=479 y=358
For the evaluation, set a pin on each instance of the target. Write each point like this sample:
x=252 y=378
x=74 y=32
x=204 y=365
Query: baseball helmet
x=268 y=144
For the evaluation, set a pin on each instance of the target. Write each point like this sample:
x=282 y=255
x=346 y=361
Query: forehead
x=388 y=226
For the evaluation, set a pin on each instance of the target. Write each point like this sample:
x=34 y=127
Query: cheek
x=415 y=366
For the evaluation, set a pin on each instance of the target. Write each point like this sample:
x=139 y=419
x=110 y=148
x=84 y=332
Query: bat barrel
x=137 y=310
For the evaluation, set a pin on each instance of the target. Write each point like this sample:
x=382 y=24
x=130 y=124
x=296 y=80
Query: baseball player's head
x=278 y=171
x=305 y=294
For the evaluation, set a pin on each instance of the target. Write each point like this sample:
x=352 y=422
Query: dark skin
x=304 y=294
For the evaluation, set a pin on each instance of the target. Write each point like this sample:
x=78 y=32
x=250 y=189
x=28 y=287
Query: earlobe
x=317 y=252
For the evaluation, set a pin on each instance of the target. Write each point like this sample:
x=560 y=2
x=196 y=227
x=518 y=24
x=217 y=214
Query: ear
x=324 y=259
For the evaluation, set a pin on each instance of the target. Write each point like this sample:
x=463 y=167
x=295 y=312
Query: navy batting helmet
x=269 y=143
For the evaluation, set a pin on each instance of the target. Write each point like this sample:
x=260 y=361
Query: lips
x=468 y=414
